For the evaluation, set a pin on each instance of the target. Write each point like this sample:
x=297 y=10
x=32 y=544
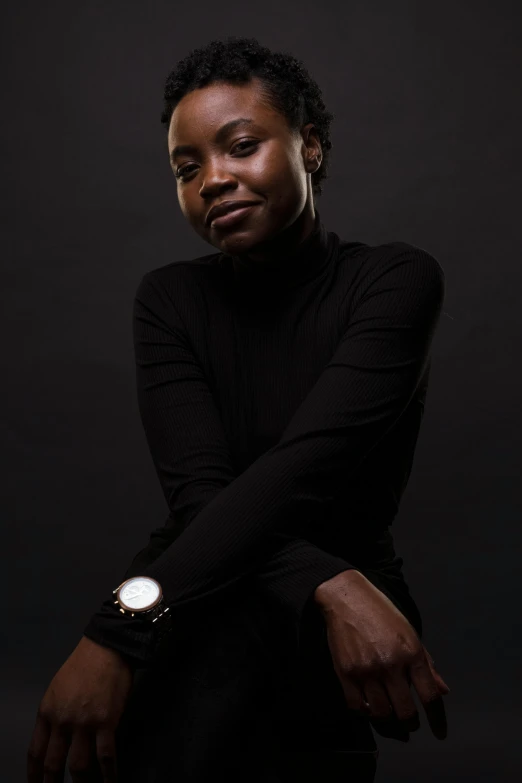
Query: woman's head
x=277 y=160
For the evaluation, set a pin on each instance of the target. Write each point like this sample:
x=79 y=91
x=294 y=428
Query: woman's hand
x=81 y=709
x=376 y=654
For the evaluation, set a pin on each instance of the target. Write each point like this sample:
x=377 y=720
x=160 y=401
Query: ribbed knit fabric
x=282 y=405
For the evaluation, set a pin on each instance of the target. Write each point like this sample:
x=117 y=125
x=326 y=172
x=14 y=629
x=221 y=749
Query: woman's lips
x=232 y=217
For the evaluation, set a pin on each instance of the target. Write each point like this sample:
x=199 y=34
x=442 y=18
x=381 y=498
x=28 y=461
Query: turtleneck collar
x=306 y=262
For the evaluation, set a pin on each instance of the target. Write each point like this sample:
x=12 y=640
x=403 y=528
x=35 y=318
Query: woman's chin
x=238 y=242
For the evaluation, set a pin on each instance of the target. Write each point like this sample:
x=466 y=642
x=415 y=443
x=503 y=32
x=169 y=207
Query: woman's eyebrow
x=221 y=133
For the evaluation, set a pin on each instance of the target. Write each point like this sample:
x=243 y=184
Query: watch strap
x=157 y=620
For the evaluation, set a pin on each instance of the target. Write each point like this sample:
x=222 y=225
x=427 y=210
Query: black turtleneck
x=281 y=405
x=308 y=261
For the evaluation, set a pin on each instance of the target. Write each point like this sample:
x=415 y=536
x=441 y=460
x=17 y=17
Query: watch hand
x=134 y=593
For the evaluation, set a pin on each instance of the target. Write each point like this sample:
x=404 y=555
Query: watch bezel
x=144 y=609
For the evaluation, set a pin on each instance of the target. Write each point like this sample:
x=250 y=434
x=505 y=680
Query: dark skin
x=376 y=653
x=271 y=165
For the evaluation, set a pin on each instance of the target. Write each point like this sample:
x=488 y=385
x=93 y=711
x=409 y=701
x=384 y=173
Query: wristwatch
x=143 y=596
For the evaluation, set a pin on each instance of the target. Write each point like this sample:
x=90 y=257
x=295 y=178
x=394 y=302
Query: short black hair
x=288 y=86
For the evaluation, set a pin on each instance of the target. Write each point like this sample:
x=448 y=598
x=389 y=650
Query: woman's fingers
x=50 y=746
x=443 y=687
x=82 y=757
x=403 y=716
x=383 y=718
x=106 y=754
x=37 y=750
x=401 y=698
x=56 y=755
x=429 y=693
x=392 y=709
x=378 y=700
x=353 y=694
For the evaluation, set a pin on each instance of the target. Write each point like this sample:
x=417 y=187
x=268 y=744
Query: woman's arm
x=363 y=390
x=192 y=458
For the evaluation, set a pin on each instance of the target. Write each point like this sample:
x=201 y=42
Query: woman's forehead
x=220 y=109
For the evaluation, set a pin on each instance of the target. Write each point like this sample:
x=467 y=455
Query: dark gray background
x=426 y=150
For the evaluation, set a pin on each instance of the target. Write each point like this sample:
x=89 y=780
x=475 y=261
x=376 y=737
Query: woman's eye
x=184 y=170
x=249 y=143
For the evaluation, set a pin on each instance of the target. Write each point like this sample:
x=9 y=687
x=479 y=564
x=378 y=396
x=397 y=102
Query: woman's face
x=260 y=161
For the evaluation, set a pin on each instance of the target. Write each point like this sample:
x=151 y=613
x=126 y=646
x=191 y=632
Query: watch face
x=139 y=593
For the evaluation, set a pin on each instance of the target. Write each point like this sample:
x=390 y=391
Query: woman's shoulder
x=392 y=249
x=396 y=257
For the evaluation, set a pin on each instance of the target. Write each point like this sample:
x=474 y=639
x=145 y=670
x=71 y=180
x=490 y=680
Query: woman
x=281 y=384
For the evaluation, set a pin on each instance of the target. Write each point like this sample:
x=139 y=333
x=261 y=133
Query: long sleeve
x=360 y=395
x=287 y=578
x=191 y=456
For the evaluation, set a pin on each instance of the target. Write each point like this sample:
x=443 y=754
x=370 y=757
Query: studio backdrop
x=426 y=150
